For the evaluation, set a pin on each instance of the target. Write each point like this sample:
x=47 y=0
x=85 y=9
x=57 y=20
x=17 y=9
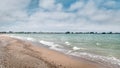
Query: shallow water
x=101 y=48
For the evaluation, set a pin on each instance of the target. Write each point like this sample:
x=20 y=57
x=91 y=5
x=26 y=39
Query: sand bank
x=15 y=53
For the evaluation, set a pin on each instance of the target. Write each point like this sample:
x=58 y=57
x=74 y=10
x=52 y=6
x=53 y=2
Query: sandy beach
x=15 y=53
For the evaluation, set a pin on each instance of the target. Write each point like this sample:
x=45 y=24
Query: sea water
x=100 y=48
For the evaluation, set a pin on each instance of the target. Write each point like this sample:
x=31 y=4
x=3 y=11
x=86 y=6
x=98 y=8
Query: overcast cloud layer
x=60 y=15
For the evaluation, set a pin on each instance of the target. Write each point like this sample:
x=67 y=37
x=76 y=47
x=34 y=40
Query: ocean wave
x=113 y=62
x=48 y=43
x=98 y=44
x=53 y=46
x=31 y=39
x=24 y=38
x=18 y=37
x=67 y=43
x=77 y=48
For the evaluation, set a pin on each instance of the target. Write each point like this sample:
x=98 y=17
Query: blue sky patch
x=33 y=6
x=66 y=3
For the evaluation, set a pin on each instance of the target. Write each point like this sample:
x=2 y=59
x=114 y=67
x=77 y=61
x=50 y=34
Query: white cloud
x=13 y=10
x=47 y=4
x=88 y=17
x=88 y=9
x=12 y=5
x=50 y=5
x=76 y=6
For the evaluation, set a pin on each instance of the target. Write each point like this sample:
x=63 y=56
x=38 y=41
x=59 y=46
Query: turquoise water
x=101 y=48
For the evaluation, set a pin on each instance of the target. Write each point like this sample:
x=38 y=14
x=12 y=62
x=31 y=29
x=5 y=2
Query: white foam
x=52 y=45
x=98 y=44
x=31 y=39
x=109 y=61
x=47 y=43
x=23 y=38
x=67 y=43
x=18 y=37
x=76 y=48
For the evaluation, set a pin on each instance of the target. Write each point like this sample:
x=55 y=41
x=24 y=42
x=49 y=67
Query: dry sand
x=15 y=53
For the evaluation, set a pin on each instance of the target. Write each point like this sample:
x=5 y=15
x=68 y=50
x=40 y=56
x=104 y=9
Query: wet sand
x=15 y=53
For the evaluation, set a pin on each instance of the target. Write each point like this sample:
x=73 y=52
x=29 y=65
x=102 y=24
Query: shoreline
x=23 y=54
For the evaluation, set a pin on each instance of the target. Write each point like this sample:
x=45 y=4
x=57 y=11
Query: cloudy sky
x=60 y=15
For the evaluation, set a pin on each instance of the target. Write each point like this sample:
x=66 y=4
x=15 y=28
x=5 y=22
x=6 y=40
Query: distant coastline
x=67 y=32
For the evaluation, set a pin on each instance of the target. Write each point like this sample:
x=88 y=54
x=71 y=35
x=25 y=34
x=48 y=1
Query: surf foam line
x=23 y=38
x=112 y=62
x=53 y=46
x=107 y=61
